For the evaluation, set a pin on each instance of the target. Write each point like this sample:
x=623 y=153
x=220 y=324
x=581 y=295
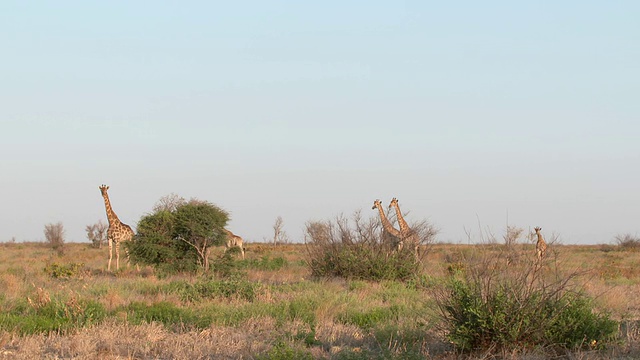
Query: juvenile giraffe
x=234 y=240
x=387 y=227
x=541 y=245
x=405 y=230
x=117 y=232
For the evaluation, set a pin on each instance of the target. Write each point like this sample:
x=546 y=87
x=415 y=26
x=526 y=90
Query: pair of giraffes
x=405 y=234
x=119 y=232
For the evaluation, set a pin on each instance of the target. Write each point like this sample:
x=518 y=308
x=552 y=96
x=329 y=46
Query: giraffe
x=405 y=230
x=541 y=245
x=117 y=232
x=234 y=240
x=389 y=230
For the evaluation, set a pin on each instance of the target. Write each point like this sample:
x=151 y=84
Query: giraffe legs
x=110 y=241
x=118 y=255
x=112 y=244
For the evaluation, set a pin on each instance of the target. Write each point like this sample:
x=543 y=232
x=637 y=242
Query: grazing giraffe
x=117 y=232
x=405 y=230
x=388 y=229
x=234 y=240
x=541 y=245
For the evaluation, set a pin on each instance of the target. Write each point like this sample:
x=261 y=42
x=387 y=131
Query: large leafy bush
x=179 y=239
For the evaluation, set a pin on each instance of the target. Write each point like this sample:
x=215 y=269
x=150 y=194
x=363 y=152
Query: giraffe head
x=537 y=229
x=376 y=203
x=393 y=202
x=103 y=189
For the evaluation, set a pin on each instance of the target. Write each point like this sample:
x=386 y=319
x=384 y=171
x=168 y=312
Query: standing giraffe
x=405 y=230
x=234 y=240
x=387 y=227
x=118 y=231
x=541 y=245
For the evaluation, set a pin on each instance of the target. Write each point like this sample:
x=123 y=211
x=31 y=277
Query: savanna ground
x=68 y=306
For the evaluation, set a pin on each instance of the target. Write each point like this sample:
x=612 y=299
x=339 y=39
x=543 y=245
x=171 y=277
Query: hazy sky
x=472 y=113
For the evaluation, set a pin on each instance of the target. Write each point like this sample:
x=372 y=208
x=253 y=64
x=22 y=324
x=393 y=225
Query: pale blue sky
x=465 y=111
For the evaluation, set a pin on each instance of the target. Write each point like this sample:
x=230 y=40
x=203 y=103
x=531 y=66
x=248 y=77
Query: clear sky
x=472 y=113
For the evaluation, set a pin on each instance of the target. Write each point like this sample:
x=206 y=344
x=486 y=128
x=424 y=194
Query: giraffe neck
x=111 y=216
x=386 y=224
x=404 y=227
x=540 y=239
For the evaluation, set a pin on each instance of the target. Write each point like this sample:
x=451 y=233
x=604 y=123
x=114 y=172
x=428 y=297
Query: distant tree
x=180 y=239
x=512 y=235
x=627 y=241
x=97 y=233
x=279 y=235
x=54 y=233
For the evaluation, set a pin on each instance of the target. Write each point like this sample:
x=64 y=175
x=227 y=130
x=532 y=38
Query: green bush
x=284 y=351
x=576 y=325
x=65 y=271
x=179 y=239
x=514 y=307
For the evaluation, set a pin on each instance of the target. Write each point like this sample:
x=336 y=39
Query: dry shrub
x=54 y=233
x=358 y=249
x=628 y=241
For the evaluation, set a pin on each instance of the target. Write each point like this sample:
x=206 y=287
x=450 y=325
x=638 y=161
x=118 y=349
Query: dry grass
x=314 y=310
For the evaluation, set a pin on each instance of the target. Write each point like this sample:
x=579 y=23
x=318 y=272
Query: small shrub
x=283 y=351
x=64 y=271
x=308 y=337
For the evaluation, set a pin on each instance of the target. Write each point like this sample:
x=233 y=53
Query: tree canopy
x=179 y=238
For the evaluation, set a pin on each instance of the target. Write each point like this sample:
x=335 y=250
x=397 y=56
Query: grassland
x=68 y=306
